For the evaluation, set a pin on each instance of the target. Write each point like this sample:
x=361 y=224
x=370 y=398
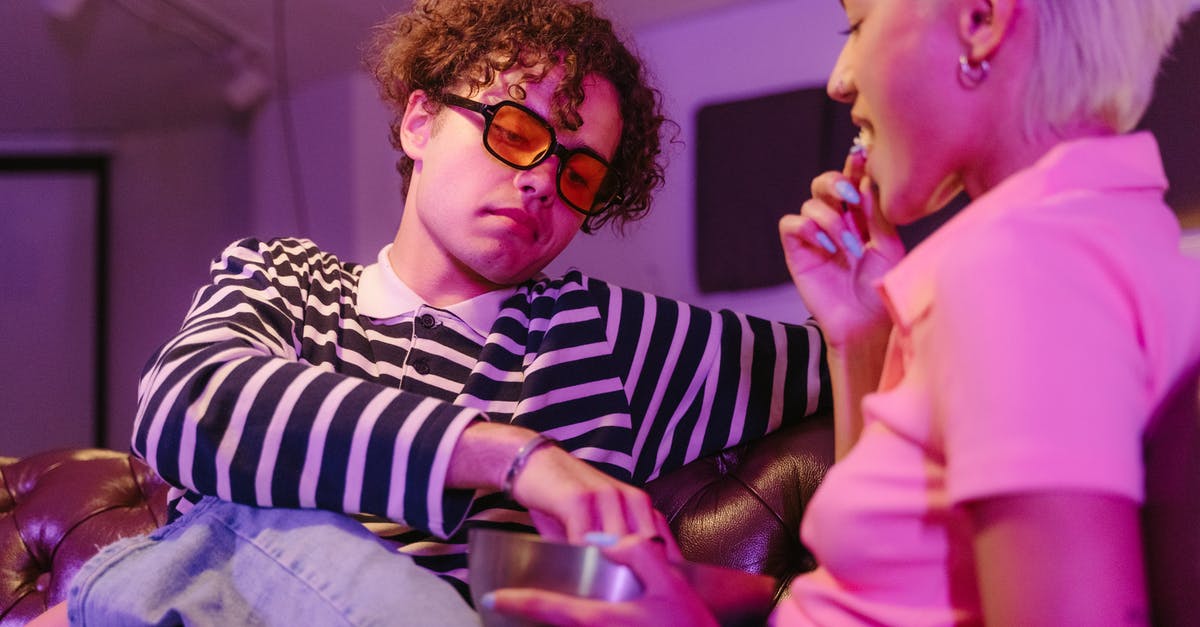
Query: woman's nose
x=841 y=81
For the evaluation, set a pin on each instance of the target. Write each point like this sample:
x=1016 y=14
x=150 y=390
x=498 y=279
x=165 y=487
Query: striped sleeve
x=700 y=381
x=229 y=407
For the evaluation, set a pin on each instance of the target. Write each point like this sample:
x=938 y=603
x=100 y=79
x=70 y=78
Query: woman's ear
x=984 y=25
x=416 y=126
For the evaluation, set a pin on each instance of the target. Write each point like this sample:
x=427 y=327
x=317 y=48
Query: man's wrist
x=537 y=442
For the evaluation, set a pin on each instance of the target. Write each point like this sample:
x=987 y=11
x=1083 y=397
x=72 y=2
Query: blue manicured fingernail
x=845 y=190
x=488 y=601
x=826 y=243
x=852 y=244
x=599 y=538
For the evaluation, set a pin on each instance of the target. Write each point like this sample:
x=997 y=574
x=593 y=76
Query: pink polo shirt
x=1034 y=334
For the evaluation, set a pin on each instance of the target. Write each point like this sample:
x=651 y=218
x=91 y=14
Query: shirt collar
x=381 y=294
x=1116 y=162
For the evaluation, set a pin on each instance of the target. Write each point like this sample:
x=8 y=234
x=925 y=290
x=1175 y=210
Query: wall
x=176 y=198
x=179 y=196
x=350 y=192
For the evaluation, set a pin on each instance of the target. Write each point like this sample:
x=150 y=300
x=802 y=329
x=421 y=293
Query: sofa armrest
x=741 y=508
x=57 y=509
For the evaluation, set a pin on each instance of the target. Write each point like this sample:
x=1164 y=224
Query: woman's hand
x=835 y=269
x=836 y=249
x=667 y=599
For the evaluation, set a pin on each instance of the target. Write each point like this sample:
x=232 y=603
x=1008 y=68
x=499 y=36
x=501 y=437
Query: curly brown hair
x=442 y=44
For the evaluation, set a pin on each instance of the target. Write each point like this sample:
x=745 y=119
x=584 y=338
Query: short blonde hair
x=1097 y=60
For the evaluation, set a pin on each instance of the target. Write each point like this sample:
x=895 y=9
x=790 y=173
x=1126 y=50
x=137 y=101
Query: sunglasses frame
x=488 y=111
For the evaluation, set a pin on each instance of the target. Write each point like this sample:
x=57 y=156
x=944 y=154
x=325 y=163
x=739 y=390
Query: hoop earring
x=972 y=75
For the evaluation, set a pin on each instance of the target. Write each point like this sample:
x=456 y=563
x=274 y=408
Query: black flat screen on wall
x=755 y=159
x=1174 y=118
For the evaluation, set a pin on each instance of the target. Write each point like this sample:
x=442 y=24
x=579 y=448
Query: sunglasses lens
x=522 y=139
x=517 y=137
x=583 y=183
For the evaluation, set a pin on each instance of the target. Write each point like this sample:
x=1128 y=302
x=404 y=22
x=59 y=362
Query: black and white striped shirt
x=279 y=392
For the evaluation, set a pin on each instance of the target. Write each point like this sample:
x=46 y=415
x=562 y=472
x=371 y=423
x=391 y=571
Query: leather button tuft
x=43 y=583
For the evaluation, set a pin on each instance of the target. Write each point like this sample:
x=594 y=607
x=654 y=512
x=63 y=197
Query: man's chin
x=500 y=279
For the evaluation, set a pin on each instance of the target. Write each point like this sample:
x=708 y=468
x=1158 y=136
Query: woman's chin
x=905 y=209
x=905 y=213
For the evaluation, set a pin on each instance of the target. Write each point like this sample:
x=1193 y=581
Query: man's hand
x=566 y=497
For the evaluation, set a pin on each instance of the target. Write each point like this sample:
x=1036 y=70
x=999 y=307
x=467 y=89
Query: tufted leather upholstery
x=56 y=510
x=739 y=508
x=742 y=508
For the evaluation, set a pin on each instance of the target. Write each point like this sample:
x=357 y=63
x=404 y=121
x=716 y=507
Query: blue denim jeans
x=228 y=564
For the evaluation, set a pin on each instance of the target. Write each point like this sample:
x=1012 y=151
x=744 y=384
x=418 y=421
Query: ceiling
x=70 y=66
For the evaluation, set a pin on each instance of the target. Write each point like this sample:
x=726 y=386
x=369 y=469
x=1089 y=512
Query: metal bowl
x=502 y=559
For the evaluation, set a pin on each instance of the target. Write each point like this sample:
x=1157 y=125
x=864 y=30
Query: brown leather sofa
x=740 y=508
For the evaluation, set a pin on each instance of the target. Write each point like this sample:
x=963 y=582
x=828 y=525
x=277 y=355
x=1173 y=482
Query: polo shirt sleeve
x=230 y=407
x=1038 y=377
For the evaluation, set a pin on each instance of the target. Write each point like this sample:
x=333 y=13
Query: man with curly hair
x=450 y=384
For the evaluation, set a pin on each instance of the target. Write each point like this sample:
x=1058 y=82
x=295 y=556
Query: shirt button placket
x=423 y=323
